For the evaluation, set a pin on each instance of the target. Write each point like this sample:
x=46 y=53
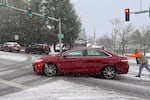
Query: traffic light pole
x=60 y=40
x=51 y=18
x=127 y=13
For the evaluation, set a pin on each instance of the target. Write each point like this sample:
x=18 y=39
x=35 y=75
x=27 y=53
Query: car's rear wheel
x=50 y=69
x=109 y=72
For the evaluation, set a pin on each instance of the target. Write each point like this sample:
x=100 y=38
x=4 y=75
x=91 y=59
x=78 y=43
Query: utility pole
x=149 y=11
x=94 y=38
x=140 y=4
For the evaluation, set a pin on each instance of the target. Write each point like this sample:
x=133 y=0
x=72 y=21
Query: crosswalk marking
x=13 y=84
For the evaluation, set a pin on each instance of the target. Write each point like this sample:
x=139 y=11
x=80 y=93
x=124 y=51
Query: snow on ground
x=64 y=90
x=12 y=56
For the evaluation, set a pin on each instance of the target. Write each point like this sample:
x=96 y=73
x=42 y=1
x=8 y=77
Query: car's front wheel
x=109 y=72
x=50 y=69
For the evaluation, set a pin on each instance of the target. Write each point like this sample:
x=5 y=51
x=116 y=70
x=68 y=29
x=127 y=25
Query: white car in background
x=11 y=47
x=64 y=46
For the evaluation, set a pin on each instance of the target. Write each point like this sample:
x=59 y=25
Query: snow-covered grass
x=64 y=90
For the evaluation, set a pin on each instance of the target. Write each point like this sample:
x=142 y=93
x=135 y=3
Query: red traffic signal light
x=127 y=14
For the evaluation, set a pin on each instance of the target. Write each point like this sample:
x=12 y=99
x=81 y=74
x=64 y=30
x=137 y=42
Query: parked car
x=38 y=49
x=11 y=47
x=92 y=61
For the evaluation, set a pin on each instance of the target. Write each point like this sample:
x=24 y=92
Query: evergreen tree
x=10 y=21
x=34 y=30
x=70 y=22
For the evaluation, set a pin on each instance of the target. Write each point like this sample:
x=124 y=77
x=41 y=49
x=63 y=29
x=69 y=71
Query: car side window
x=32 y=46
x=96 y=53
x=77 y=53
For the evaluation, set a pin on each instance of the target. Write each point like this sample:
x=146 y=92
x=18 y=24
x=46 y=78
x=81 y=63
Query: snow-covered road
x=67 y=90
x=63 y=90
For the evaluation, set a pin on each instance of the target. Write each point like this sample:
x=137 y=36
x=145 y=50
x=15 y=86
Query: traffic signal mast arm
x=52 y=18
x=139 y=12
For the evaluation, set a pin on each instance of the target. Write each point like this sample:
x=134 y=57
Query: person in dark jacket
x=140 y=59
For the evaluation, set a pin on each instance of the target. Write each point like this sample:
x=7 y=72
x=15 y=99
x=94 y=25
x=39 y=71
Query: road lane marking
x=13 y=84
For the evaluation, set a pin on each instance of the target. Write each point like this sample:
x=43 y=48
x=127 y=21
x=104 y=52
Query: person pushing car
x=140 y=59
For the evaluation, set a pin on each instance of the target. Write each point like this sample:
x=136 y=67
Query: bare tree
x=135 y=39
x=145 y=32
x=116 y=25
x=119 y=37
x=106 y=42
x=125 y=31
x=120 y=34
x=140 y=38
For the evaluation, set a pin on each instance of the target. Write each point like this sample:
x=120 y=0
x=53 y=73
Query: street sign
x=16 y=37
x=60 y=35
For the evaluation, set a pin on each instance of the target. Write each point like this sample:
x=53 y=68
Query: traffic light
x=30 y=13
x=127 y=14
x=46 y=18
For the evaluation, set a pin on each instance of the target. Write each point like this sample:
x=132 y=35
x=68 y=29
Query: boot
x=137 y=76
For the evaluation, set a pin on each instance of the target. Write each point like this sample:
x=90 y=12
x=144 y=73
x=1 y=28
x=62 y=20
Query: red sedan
x=93 y=61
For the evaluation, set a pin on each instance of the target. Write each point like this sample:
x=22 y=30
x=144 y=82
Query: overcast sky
x=98 y=14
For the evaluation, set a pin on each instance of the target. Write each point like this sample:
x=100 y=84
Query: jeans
x=145 y=65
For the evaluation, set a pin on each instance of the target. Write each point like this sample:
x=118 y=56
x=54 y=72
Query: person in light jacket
x=140 y=59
